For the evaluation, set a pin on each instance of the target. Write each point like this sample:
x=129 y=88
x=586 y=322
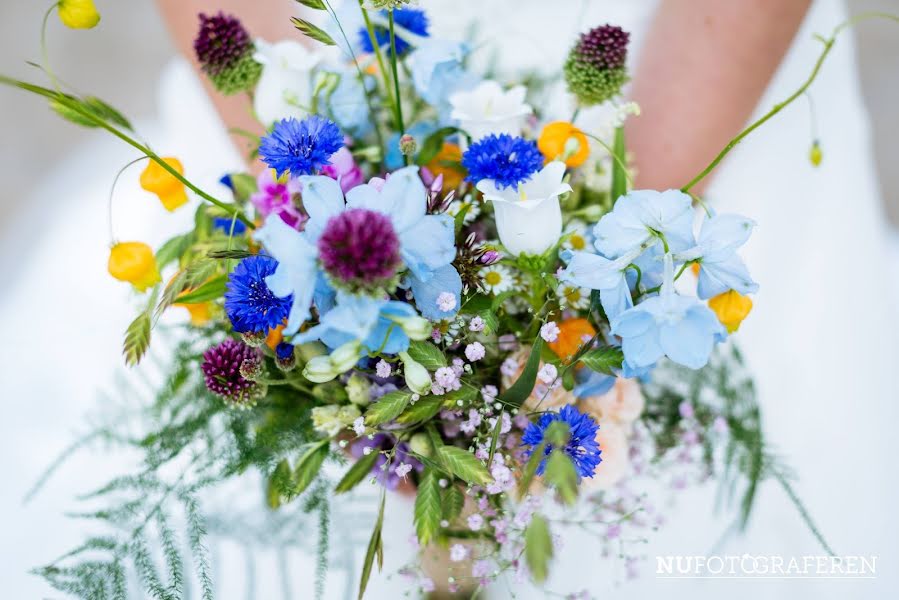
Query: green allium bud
x=595 y=69
x=241 y=77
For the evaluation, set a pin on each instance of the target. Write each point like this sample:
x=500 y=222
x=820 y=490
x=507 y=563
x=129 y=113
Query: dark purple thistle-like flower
x=604 y=47
x=221 y=42
x=384 y=441
x=360 y=248
x=582 y=447
x=221 y=370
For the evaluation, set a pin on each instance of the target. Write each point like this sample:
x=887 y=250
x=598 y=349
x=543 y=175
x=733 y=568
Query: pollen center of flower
x=360 y=248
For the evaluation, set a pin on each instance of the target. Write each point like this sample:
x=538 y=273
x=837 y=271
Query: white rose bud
x=417 y=377
x=319 y=370
x=345 y=357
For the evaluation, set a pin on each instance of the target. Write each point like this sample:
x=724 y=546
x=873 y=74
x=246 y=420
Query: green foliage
x=137 y=338
x=464 y=465
x=561 y=475
x=427 y=354
x=387 y=408
x=210 y=290
x=523 y=387
x=190 y=277
x=423 y=410
x=309 y=465
x=619 y=176
x=375 y=550
x=311 y=31
x=357 y=473
x=453 y=502
x=94 y=107
x=313 y=4
x=428 y=508
x=433 y=144
x=603 y=360
x=538 y=548
x=530 y=469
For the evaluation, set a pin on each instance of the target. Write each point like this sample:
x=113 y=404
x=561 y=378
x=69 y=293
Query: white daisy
x=497 y=279
x=572 y=296
x=577 y=237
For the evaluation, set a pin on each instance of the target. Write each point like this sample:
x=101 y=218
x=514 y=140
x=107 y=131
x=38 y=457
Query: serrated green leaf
x=433 y=144
x=465 y=394
x=464 y=465
x=453 y=502
x=522 y=388
x=491 y=321
x=530 y=470
x=387 y=408
x=428 y=508
x=313 y=4
x=279 y=484
x=210 y=290
x=603 y=360
x=137 y=339
x=538 y=548
x=427 y=354
x=561 y=474
x=375 y=547
x=311 y=31
x=358 y=472
x=308 y=466
x=423 y=410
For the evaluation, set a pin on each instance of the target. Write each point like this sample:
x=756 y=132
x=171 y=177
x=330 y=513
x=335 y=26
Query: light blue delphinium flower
x=679 y=327
x=593 y=383
x=720 y=268
x=393 y=157
x=438 y=72
x=596 y=272
x=429 y=294
x=643 y=216
x=347 y=104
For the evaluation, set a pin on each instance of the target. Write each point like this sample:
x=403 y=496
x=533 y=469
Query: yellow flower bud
x=560 y=140
x=157 y=180
x=134 y=262
x=731 y=308
x=814 y=154
x=200 y=313
x=78 y=14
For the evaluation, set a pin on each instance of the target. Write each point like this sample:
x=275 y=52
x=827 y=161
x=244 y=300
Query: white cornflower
x=550 y=332
x=403 y=469
x=475 y=351
x=573 y=296
x=497 y=279
x=458 y=553
x=383 y=368
x=476 y=324
x=446 y=301
x=548 y=373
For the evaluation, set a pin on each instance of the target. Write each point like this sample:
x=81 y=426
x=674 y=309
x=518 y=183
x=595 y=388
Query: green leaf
x=73 y=109
x=530 y=469
x=311 y=31
x=433 y=144
x=619 y=177
x=538 y=548
x=374 y=547
x=427 y=354
x=174 y=249
x=561 y=474
x=229 y=254
x=423 y=410
x=453 y=502
x=491 y=321
x=495 y=437
x=279 y=484
x=212 y=289
x=522 y=388
x=466 y=395
x=243 y=186
x=603 y=360
x=387 y=408
x=359 y=471
x=428 y=508
x=106 y=112
x=189 y=277
x=137 y=338
x=313 y=4
x=309 y=465
x=70 y=114
x=464 y=465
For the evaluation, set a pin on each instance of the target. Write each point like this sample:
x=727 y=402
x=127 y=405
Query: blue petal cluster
x=582 y=446
x=249 y=303
x=504 y=159
x=301 y=147
x=413 y=20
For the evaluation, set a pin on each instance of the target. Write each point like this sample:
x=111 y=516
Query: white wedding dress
x=821 y=339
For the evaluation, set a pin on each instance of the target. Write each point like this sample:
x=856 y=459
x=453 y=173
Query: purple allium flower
x=504 y=159
x=250 y=305
x=604 y=47
x=360 y=248
x=221 y=370
x=582 y=447
x=221 y=43
x=384 y=441
x=301 y=147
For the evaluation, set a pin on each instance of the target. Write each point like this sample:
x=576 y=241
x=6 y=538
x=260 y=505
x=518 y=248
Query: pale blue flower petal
x=721 y=235
x=616 y=300
x=322 y=199
x=689 y=342
x=594 y=384
x=428 y=245
x=387 y=337
x=351 y=318
x=620 y=231
x=718 y=277
x=407 y=197
x=445 y=279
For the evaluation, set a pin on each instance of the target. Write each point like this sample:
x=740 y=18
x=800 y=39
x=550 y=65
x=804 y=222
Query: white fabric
x=820 y=340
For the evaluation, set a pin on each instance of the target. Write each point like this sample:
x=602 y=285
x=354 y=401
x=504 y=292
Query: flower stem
x=396 y=82
x=380 y=58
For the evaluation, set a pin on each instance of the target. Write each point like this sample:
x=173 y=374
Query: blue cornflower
x=250 y=304
x=582 y=447
x=412 y=20
x=229 y=225
x=301 y=147
x=503 y=159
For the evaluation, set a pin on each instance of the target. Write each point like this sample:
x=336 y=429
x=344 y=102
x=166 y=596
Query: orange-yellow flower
x=200 y=313
x=731 y=308
x=134 y=262
x=560 y=140
x=157 y=180
x=274 y=337
x=78 y=14
x=447 y=163
x=573 y=333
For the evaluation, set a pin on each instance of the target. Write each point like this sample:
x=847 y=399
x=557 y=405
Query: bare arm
x=269 y=19
x=704 y=68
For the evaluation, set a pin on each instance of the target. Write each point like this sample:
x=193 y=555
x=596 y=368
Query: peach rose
x=622 y=405
x=612 y=439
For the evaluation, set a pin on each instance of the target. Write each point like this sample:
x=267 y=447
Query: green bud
x=420 y=444
x=417 y=328
x=358 y=388
x=345 y=357
x=319 y=370
x=417 y=377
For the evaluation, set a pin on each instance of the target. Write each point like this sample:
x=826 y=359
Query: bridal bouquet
x=431 y=288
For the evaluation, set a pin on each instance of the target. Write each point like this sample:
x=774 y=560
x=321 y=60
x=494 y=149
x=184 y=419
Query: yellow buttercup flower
x=134 y=262
x=561 y=140
x=200 y=313
x=157 y=180
x=78 y=14
x=731 y=308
